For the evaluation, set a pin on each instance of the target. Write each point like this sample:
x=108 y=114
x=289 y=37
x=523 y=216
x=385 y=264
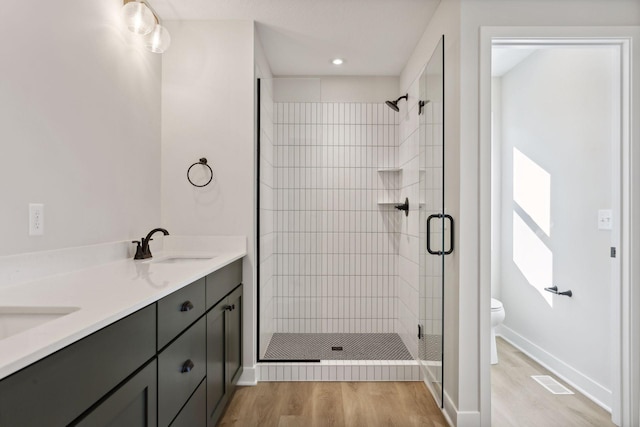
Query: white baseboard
x=468 y=419
x=585 y=385
x=248 y=378
x=450 y=411
x=459 y=418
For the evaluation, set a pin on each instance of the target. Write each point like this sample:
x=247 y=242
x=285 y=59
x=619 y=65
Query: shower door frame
x=427 y=217
x=626 y=381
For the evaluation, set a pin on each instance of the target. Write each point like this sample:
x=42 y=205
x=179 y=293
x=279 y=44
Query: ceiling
x=301 y=37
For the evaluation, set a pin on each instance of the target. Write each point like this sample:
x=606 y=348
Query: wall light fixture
x=141 y=19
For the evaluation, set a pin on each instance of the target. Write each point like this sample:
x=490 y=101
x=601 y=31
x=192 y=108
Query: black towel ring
x=202 y=161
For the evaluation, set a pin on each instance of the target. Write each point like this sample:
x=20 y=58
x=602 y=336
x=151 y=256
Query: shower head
x=394 y=104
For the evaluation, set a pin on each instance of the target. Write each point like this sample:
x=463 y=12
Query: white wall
x=559 y=110
x=445 y=21
x=336 y=89
x=79 y=125
x=208 y=111
x=473 y=299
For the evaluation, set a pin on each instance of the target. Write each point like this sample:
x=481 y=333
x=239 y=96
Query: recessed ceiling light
x=337 y=61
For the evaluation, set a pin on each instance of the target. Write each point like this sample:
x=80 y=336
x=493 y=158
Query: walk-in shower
x=328 y=229
x=333 y=285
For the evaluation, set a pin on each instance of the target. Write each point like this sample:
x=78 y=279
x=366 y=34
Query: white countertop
x=103 y=294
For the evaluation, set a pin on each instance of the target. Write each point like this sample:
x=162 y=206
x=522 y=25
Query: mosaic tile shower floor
x=371 y=346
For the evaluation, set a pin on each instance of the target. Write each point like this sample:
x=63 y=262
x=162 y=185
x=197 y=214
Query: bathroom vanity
x=175 y=361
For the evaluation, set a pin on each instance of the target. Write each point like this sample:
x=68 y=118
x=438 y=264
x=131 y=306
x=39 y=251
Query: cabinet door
x=133 y=404
x=234 y=336
x=216 y=377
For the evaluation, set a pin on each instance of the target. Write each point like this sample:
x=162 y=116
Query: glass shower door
x=436 y=228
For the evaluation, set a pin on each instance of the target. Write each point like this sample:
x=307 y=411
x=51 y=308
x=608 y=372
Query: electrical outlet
x=36 y=219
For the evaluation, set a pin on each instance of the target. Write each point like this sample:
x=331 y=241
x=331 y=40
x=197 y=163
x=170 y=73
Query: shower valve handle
x=404 y=207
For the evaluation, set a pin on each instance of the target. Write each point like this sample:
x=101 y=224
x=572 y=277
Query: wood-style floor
x=518 y=400
x=323 y=404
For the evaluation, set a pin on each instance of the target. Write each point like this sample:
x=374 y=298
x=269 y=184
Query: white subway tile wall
x=431 y=189
x=342 y=370
x=266 y=218
x=409 y=227
x=336 y=243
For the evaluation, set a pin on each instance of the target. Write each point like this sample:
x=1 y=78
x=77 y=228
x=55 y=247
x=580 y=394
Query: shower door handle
x=440 y=216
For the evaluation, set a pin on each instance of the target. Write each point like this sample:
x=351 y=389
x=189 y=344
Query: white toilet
x=497 y=316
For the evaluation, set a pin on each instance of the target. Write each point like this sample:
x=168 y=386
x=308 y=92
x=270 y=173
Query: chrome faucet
x=142 y=250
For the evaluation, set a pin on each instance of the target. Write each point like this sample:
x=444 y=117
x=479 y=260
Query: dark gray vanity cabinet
x=58 y=389
x=224 y=353
x=173 y=363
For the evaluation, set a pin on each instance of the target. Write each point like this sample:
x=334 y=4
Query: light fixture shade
x=158 y=40
x=138 y=17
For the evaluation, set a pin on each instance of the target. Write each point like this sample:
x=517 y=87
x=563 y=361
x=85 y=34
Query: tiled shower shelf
x=341 y=370
x=390 y=170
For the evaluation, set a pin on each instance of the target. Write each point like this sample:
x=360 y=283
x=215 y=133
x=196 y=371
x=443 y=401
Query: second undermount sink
x=14 y=320
x=181 y=259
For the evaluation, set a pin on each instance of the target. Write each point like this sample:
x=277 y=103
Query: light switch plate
x=605 y=219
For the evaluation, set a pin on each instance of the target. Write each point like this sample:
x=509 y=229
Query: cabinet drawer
x=223 y=281
x=194 y=413
x=179 y=310
x=175 y=382
x=59 y=388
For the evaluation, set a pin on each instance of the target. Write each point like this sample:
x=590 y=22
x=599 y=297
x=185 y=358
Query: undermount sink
x=181 y=259
x=14 y=320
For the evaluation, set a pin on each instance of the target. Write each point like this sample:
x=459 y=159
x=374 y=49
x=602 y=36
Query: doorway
x=624 y=348
x=555 y=229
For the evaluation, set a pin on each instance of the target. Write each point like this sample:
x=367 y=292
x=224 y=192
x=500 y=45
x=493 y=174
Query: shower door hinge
x=420 y=332
x=613 y=252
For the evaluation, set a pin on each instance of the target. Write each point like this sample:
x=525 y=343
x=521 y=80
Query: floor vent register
x=551 y=384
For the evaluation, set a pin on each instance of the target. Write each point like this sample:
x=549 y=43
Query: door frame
x=626 y=346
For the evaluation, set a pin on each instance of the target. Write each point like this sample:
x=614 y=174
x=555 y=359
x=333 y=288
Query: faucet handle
x=138 y=254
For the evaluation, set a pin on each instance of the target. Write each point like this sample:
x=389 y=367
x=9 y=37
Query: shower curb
x=341 y=370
